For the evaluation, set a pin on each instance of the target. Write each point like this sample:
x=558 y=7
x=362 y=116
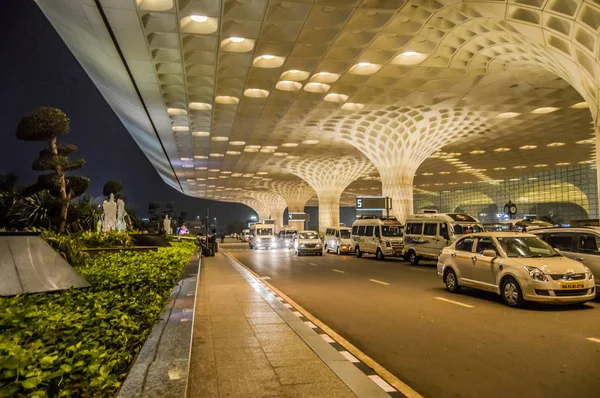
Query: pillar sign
x=373 y=203
x=298 y=217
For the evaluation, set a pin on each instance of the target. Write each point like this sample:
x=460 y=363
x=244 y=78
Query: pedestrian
x=213 y=243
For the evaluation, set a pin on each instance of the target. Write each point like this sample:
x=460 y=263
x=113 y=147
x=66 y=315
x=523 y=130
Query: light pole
x=215 y=225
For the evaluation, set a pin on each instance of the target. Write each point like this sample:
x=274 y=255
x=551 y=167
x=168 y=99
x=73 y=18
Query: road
x=440 y=344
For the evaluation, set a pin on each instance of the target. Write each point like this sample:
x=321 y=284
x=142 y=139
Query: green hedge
x=82 y=342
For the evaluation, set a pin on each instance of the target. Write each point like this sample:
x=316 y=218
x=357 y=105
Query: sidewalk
x=246 y=343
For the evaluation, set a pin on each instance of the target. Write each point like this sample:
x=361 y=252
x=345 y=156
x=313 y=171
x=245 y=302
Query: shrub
x=82 y=342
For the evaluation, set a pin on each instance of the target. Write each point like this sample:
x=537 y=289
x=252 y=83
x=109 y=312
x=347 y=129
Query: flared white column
x=329 y=210
x=400 y=188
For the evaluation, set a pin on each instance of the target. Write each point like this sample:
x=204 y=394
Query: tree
x=153 y=208
x=170 y=209
x=47 y=124
x=113 y=186
x=181 y=219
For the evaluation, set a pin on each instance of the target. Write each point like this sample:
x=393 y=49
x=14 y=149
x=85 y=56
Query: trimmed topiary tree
x=113 y=186
x=47 y=124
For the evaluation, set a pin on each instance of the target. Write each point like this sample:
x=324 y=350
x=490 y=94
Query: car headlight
x=536 y=273
x=589 y=272
x=318 y=245
x=301 y=245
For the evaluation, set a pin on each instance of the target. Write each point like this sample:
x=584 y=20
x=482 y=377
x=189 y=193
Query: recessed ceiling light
x=294 y=71
x=176 y=112
x=199 y=18
x=280 y=154
x=427 y=174
x=262 y=173
x=289 y=145
x=541 y=165
x=226 y=100
x=216 y=155
x=409 y=53
x=200 y=106
x=214 y=170
x=543 y=110
x=515 y=179
x=528 y=147
x=200 y=157
x=237 y=143
x=220 y=138
x=310 y=142
x=501 y=149
x=532 y=178
x=201 y=168
x=507 y=115
x=186 y=159
x=248 y=149
x=288 y=85
x=579 y=105
x=333 y=97
x=270 y=146
x=520 y=167
x=563 y=164
x=588 y=141
x=444 y=172
x=555 y=144
x=477 y=152
x=237 y=39
x=233 y=153
x=364 y=63
x=200 y=133
x=256 y=93
x=352 y=106
x=315 y=87
x=254 y=146
x=499 y=168
x=180 y=128
x=409 y=58
x=268 y=56
x=586 y=162
x=364 y=68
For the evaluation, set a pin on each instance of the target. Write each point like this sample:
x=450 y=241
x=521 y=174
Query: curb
x=385 y=381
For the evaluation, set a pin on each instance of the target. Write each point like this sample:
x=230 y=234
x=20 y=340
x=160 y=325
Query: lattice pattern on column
x=296 y=193
x=274 y=202
x=397 y=140
x=329 y=177
x=259 y=207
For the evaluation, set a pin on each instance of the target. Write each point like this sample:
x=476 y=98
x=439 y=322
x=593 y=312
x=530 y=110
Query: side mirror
x=489 y=253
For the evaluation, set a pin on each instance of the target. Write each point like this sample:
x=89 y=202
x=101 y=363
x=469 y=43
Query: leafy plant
x=82 y=342
x=46 y=124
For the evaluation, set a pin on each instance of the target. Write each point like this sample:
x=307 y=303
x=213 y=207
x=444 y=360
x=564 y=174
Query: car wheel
x=413 y=258
x=296 y=253
x=511 y=293
x=326 y=248
x=339 y=251
x=320 y=253
x=379 y=255
x=250 y=244
x=357 y=252
x=451 y=281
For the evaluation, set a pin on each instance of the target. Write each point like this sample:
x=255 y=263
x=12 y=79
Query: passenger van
x=338 y=240
x=262 y=236
x=286 y=237
x=245 y=235
x=428 y=233
x=379 y=236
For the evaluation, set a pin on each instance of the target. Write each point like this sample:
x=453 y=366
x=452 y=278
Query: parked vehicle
x=307 y=242
x=581 y=244
x=245 y=235
x=338 y=240
x=262 y=236
x=428 y=233
x=286 y=238
x=379 y=236
x=519 y=266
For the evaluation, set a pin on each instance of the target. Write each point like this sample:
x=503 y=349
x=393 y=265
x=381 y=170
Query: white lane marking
x=327 y=338
x=382 y=383
x=310 y=324
x=418 y=269
x=454 y=302
x=287 y=305
x=595 y=340
x=349 y=356
x=312 y=264
x=380 y=282
x=298 y=314
x=337 y=270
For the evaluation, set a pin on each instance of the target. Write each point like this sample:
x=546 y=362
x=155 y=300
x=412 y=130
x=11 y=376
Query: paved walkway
x=243 y=346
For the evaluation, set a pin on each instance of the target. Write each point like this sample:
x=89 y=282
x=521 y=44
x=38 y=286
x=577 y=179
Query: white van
x=338 y=239
x=428 y=233
x=379 y=236
x=245 y=235
x=262 y=236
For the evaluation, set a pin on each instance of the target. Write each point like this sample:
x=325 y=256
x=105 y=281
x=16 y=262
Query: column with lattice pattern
x=329 y=177
x=397 y=140
x=274 y=202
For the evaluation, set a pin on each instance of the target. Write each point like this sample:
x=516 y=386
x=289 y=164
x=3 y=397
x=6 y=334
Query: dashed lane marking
x=298 y=314
x=350 y=357
x=595 y=340
x=454 y=302
x=338 y=270
x=312 y=264
x=327 y=338
x=418 y=269
x=382 y=383
x=310 y=324
x=380 y=282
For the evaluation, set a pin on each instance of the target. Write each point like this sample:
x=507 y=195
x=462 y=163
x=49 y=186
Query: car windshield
x=264 y=231
x=526 y=247
x=460 y=229
x=308 y=235
x=390 y=232
x=344 y=234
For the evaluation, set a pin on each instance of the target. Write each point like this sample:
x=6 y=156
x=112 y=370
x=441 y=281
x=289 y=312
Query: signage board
x=373 y=203
x=297 y=216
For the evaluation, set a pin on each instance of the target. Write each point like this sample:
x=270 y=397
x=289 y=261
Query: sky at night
x=37 y=69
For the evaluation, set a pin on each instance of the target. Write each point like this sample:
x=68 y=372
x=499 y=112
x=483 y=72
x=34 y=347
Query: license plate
x=578 y=285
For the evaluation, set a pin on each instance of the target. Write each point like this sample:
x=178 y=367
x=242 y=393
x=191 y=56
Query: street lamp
x=252 y=218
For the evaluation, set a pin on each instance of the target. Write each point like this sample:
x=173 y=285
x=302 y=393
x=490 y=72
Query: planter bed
x=100 y=250
x=82 y=342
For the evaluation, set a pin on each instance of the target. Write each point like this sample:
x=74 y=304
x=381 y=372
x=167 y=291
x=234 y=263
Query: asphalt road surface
x=441 y=344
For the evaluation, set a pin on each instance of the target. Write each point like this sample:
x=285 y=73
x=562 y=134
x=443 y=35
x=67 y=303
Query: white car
x=306 y=242
x=519 y=266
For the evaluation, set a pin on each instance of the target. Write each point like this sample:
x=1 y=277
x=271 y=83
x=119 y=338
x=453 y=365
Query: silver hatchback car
x=519 y=266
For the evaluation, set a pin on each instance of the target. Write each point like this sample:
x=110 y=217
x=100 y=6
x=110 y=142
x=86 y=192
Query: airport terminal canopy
x=226 y=97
